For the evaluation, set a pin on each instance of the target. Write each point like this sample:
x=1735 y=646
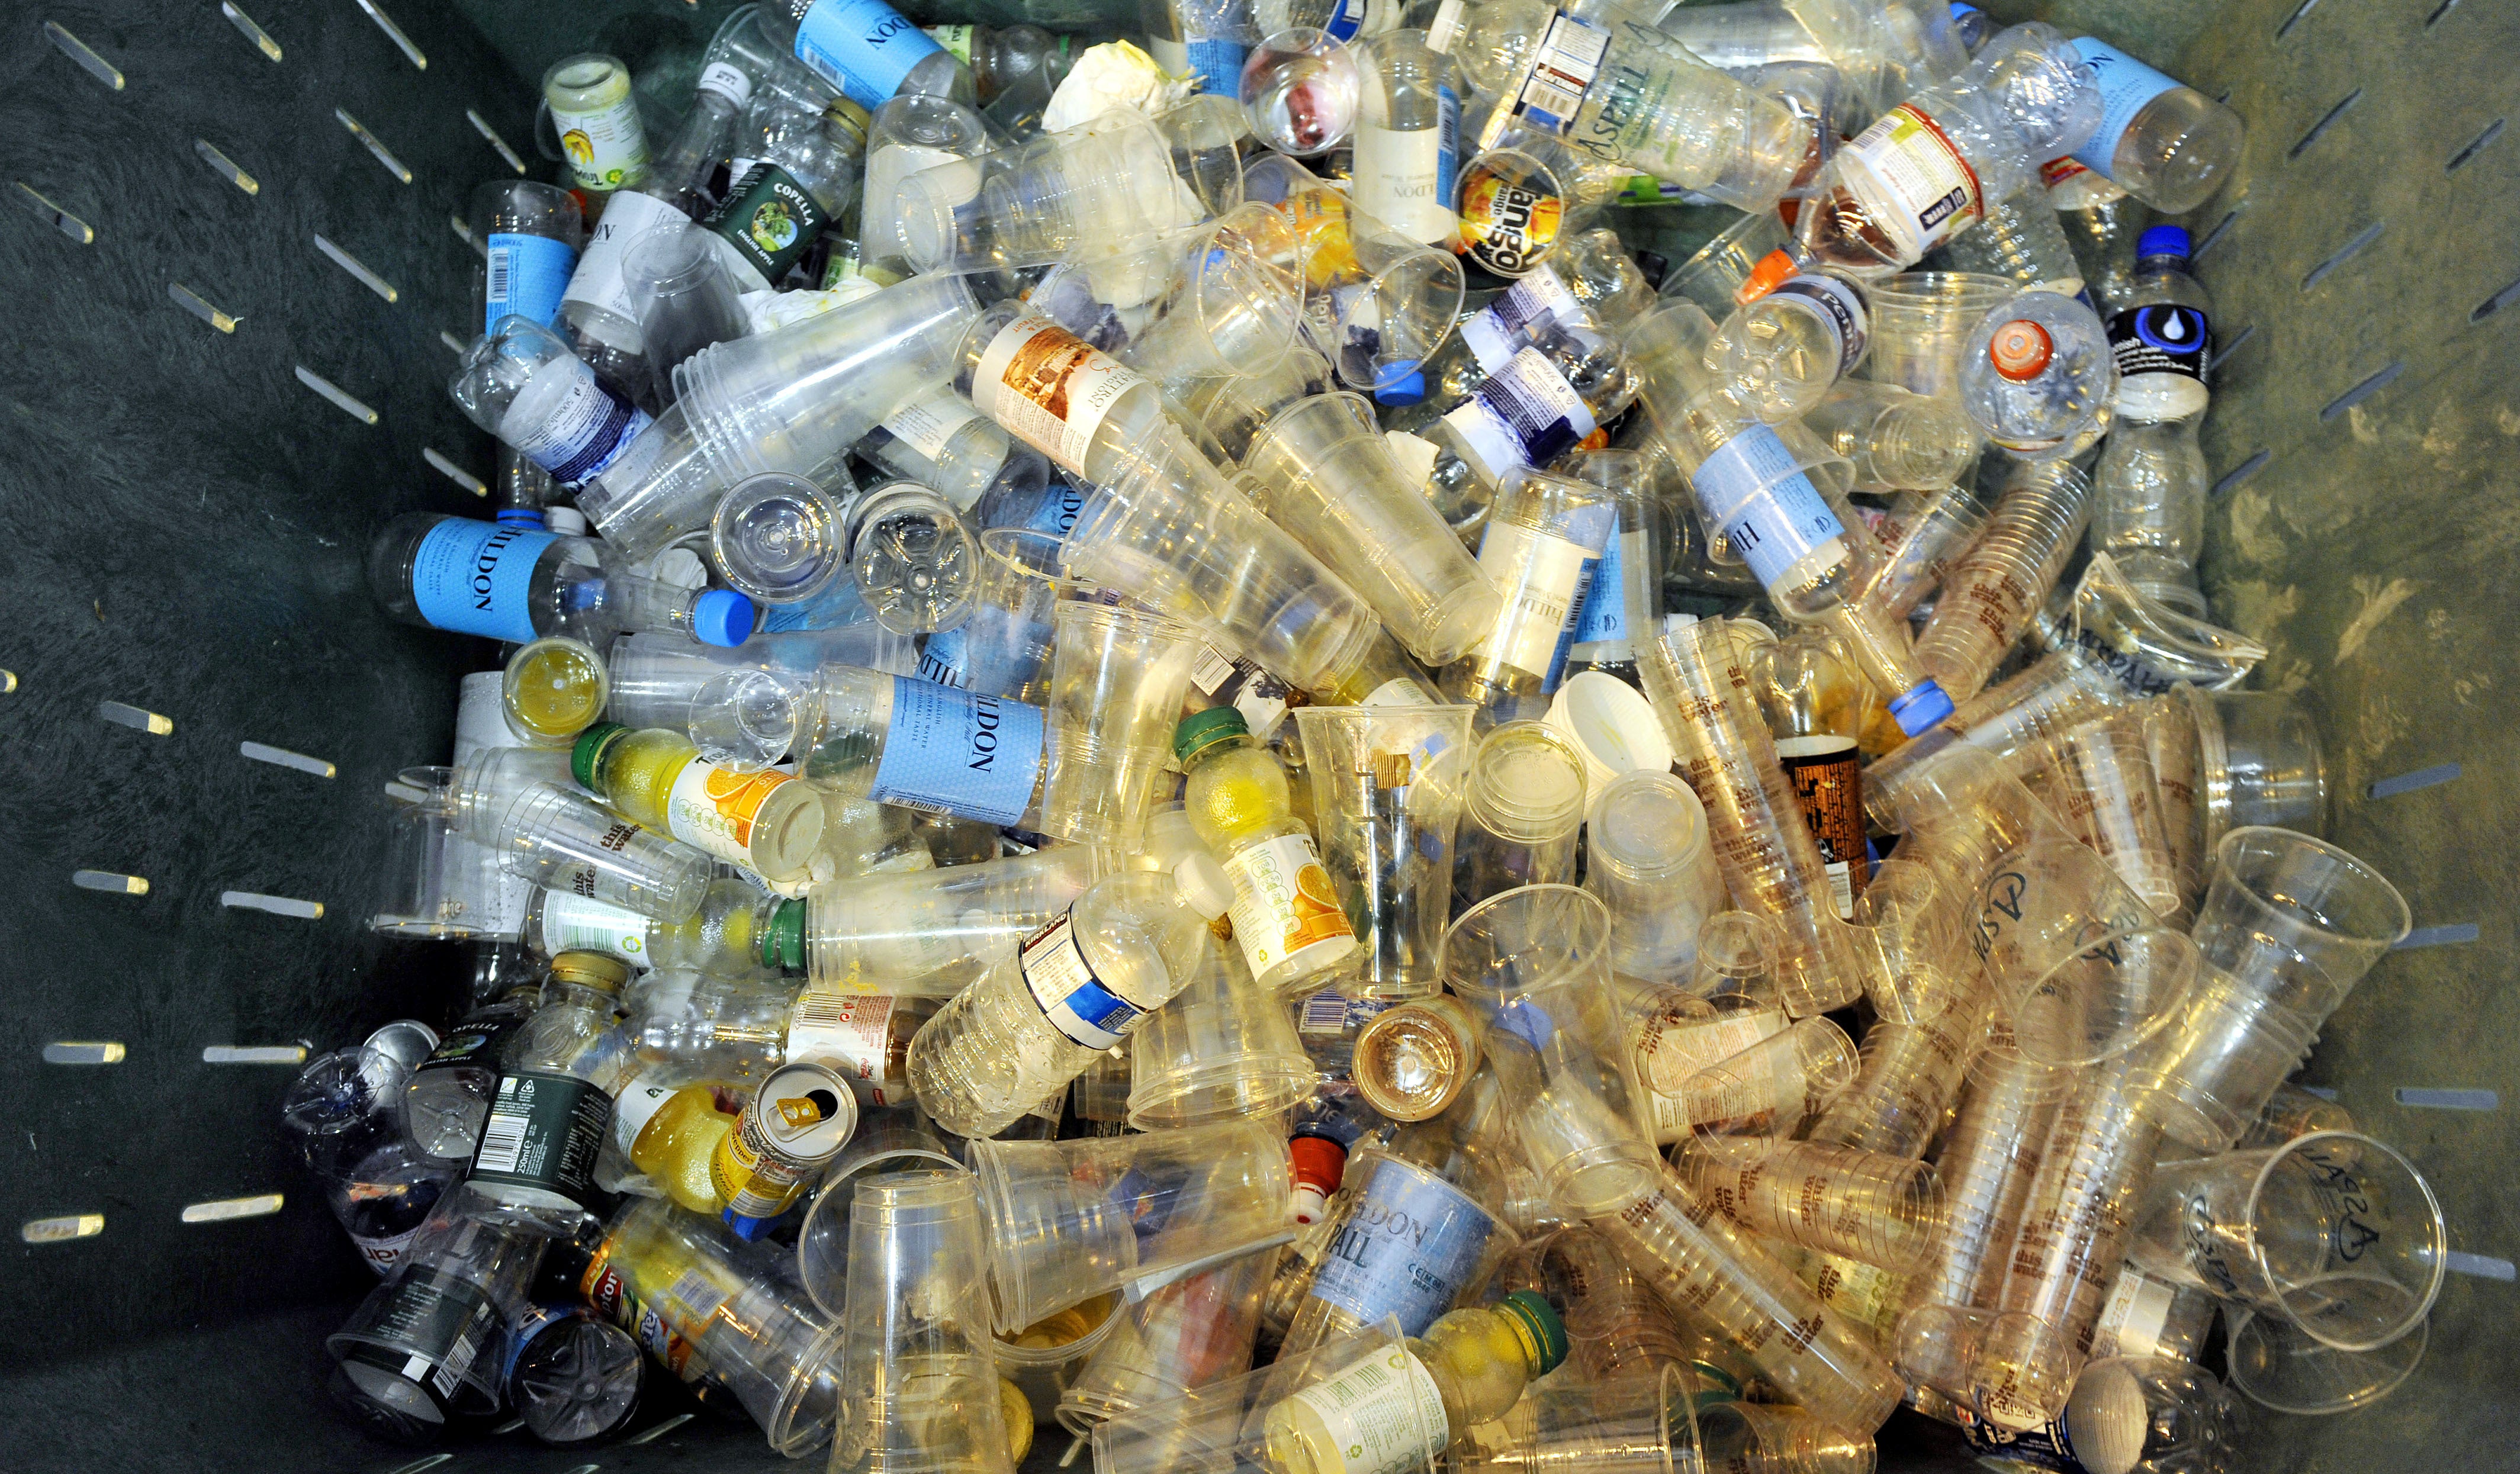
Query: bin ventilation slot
x=253 y=1053
x=2437 y=936
x=2324 y=123
x=385 y=23
x=199 y=306
x=2294 y=19
x=77 y=51
x=464 y=233
x=352 y=264
x=2213 y=236
x=282 y=757
x=138 y=719
x=2408 y=783
x=384 y=155
x=2322 y=1092
x=84 y=1051
x=2496 y=303
x=110 y=883
x=454 y=472
x=339 y=397
x=2344 y=253
x=246 y=27
x=658 y=1431
x=225 y=167
x=2492 y=131
x=2363 y=390
x=2256 y=463
x=278 y=905
x=55 y=1231
x=2432 y=1100
x=2438 y=11
x=55 y=216
x=453 y=345
x=421 y=1465
x=2231 y=346
x=2482 y=1265
x=481 y=125
x=260 y=1205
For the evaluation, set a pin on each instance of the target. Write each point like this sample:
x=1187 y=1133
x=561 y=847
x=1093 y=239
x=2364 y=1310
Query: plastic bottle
x=1541 y=549
x=1076 y=988
x=1408 y=136
x=1286 y=919
x=598 y=121
x=1624 y=604
x=2168 y=145
x=670 y=1134
x=722 y=939
x=2163 y=332
x=1590 y=283
x=1470 y=1367
x=448 y=1095
x=1015 y=69
x=1618 y=89
x=865 y=48
x=1927 y=169
x=941 y=442
x=570 y=1377
x=522 y=382
x=803 y=173
x=764 y=821
x=516 y=583
x=932 y=931
x=2022 y=239
x=2100 y=224
x=557 y=1074
x=909 y=135
x=2036 y=374
x=530 y=234
x=1782 y=350
x=2149 y=505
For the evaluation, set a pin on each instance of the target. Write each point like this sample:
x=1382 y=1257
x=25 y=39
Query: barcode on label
x=501 y=259
x=695 y=1295
x=1842 y=884
x=1212 y=671
x=503 y=1136
x=1323 y=1012
x=1570 y=57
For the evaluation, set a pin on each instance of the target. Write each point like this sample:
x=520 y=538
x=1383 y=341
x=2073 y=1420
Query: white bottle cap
x=1309 y=1202
x=568 y=521
x=1610 y=723
x=1204 y=884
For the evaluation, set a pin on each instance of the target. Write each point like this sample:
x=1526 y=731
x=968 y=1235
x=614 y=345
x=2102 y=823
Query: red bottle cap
x=2020 y=350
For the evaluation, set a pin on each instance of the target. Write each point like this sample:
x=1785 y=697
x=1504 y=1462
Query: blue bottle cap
x=1961 y=12
x=2162 y=240
x=722 y=617
x=1922 y=708
x=1408 y=388
x=522 y=516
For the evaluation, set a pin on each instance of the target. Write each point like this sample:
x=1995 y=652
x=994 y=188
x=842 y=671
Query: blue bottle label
x=863 y=47
x=1448 y=147
x=2126 y=85
x=586 y=430
x=1408 y=1248
x=1606 y=606
x=1770 y=511
x=527 y=277
x=1218 y=62
x=473 y=578
x=956 y=752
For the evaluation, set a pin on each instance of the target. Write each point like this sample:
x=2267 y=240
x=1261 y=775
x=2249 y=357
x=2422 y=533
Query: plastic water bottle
x=2099 y=225
x=1782 y=351
x=2161 y=336
x=865 y=48
x=522 y=382
x=2150 y=504
x=514 y=582
x=529 y=233
x=1015 y=69
x=2165 y=143
x=2036 y=373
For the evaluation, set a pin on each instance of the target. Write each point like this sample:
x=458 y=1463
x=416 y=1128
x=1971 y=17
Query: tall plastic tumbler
x=915 y=1358
x=1116 y=682
x=1389 y=787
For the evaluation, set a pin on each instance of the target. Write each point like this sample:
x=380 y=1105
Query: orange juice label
x=1284 y=906
x=714 y=807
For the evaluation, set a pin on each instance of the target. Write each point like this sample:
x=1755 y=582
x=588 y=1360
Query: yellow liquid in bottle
x=1237 y=795
x=556 y=691
x=675 y=1146
x=638 y=773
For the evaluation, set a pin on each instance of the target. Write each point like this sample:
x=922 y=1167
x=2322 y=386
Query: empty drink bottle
x=1286 y=919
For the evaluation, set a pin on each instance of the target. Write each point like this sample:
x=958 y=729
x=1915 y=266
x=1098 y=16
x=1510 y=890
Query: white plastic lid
x=1204 y=884
x=1308 y=1203
x=568 y=521
x=2107 y=1419
x=1612 y=723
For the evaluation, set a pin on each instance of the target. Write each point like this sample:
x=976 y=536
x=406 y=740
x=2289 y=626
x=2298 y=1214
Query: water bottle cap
x=1958 y=9
x=782 y=939
x=568 y=521
x=722 y=617
x=2020 y=350
x=522 y=517
x=1772 y=272
x=1204 y=884
x=1922 y=708
x=1408 y=388
x=1546 y=1334
x=1196 y=733
x=2163 y=241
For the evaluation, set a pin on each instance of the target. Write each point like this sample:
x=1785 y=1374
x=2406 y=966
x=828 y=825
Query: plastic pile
x=1219 y=776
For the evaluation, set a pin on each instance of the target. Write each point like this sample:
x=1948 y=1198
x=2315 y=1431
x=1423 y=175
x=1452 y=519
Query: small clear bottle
x=1408 y=144
x=914 y=561
x=1782 y=350
x=1471 y=1367
x=2166 y=144
x=909 y=135
x=2036 y=374
x=803 y=171
x=530 y=234
x=598 y=122
x=448 y=1096
x=941 y=441
x=1541 y=549
x=1286 y=917
x=764 y=821
x=522 y=383
x=723 y=939
x=1015 y=69
x=559 y=1074
x=2100 y=222
x=2161 y=336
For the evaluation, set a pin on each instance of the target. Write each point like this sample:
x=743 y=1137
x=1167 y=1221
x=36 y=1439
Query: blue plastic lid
x=1958 y=9
x=2162 y=240
x=1922 y=708
x=722 y=617
x=522 y=517
x=1408 y=388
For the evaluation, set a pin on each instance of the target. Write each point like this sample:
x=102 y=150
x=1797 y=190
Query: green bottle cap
x=783 y=940
x=1544 y=1335
x=1196 y=735
x=589 y=750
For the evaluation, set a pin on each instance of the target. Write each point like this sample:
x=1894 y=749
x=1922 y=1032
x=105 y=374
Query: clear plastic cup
x=1388 y=788
x=1989 y=1157
x=1769 y=1436
x=1412 y=1060
x=1224 y=1049
x=683 y=297
x=1118 y=679
x=914 y=1347
x=913 y=133
x=1194 y=1332
x=555 y=836
x=1758 y=1097
x=928 y=932
x=1647 y=858
x=1233 y=307
x=1322 y=468
x=2113 y=800
x=1909 y=928
x=1259 y=1420
x=1920 y=323
x=2080 y=965
x=1524 y=805
x=1906 y=1077
x=2273 y=1364
x=2333 y=1231
x=2295 y=919
x=1041 y=1360
x=1376 y=303
x=1990 y=596
x=2293 y=1111
x=1713 y=277
x=1881 y=1210
x=1227 y=412
x=892 y=1140
x=1070 y=1220
x=779 y=538
x=2260 y=762
x=1640 y=1421
x=1897 y=440
x=1300 y=91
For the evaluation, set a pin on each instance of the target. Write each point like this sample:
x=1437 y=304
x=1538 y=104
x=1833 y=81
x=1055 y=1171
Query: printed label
x=713 y=808
x=384 y=1254
x=1284 y=906
x=1769 y=512
x=1506 y=225
x=598 y=281
x=1383 y=1415
x=728 y=81
x=1834 y=303
x=473 y=578
x=573 y=924
x=863 y=47
x=1828 y=783
x=603 y=1287
x=852 y=1033
x=1933 y=191
x=2125 y=87
x=543 y=1132
x=1512 y=322
x=1077 y=1003
x=952 y=752
x=527 y=275
x=1562 y=70
x=2163 y=338
x=1049 y=388
x=1524 y=415
x=953 y=38
x=640 y=1101
x=606 y=146
x=585 y=428
x=1241 y=683
x=1670 y=1051
x=927 y=423
x=1363 y=17
x=1217 y=62
x=432 y=1326
x=1605 y=616
x=2132 y=1320
x=1406 y=1248
x=750 y=1178
x=769 y=219
x=1549 y=575
x=1404 y=176
x=2045 y=1447
x=1330 y=1011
